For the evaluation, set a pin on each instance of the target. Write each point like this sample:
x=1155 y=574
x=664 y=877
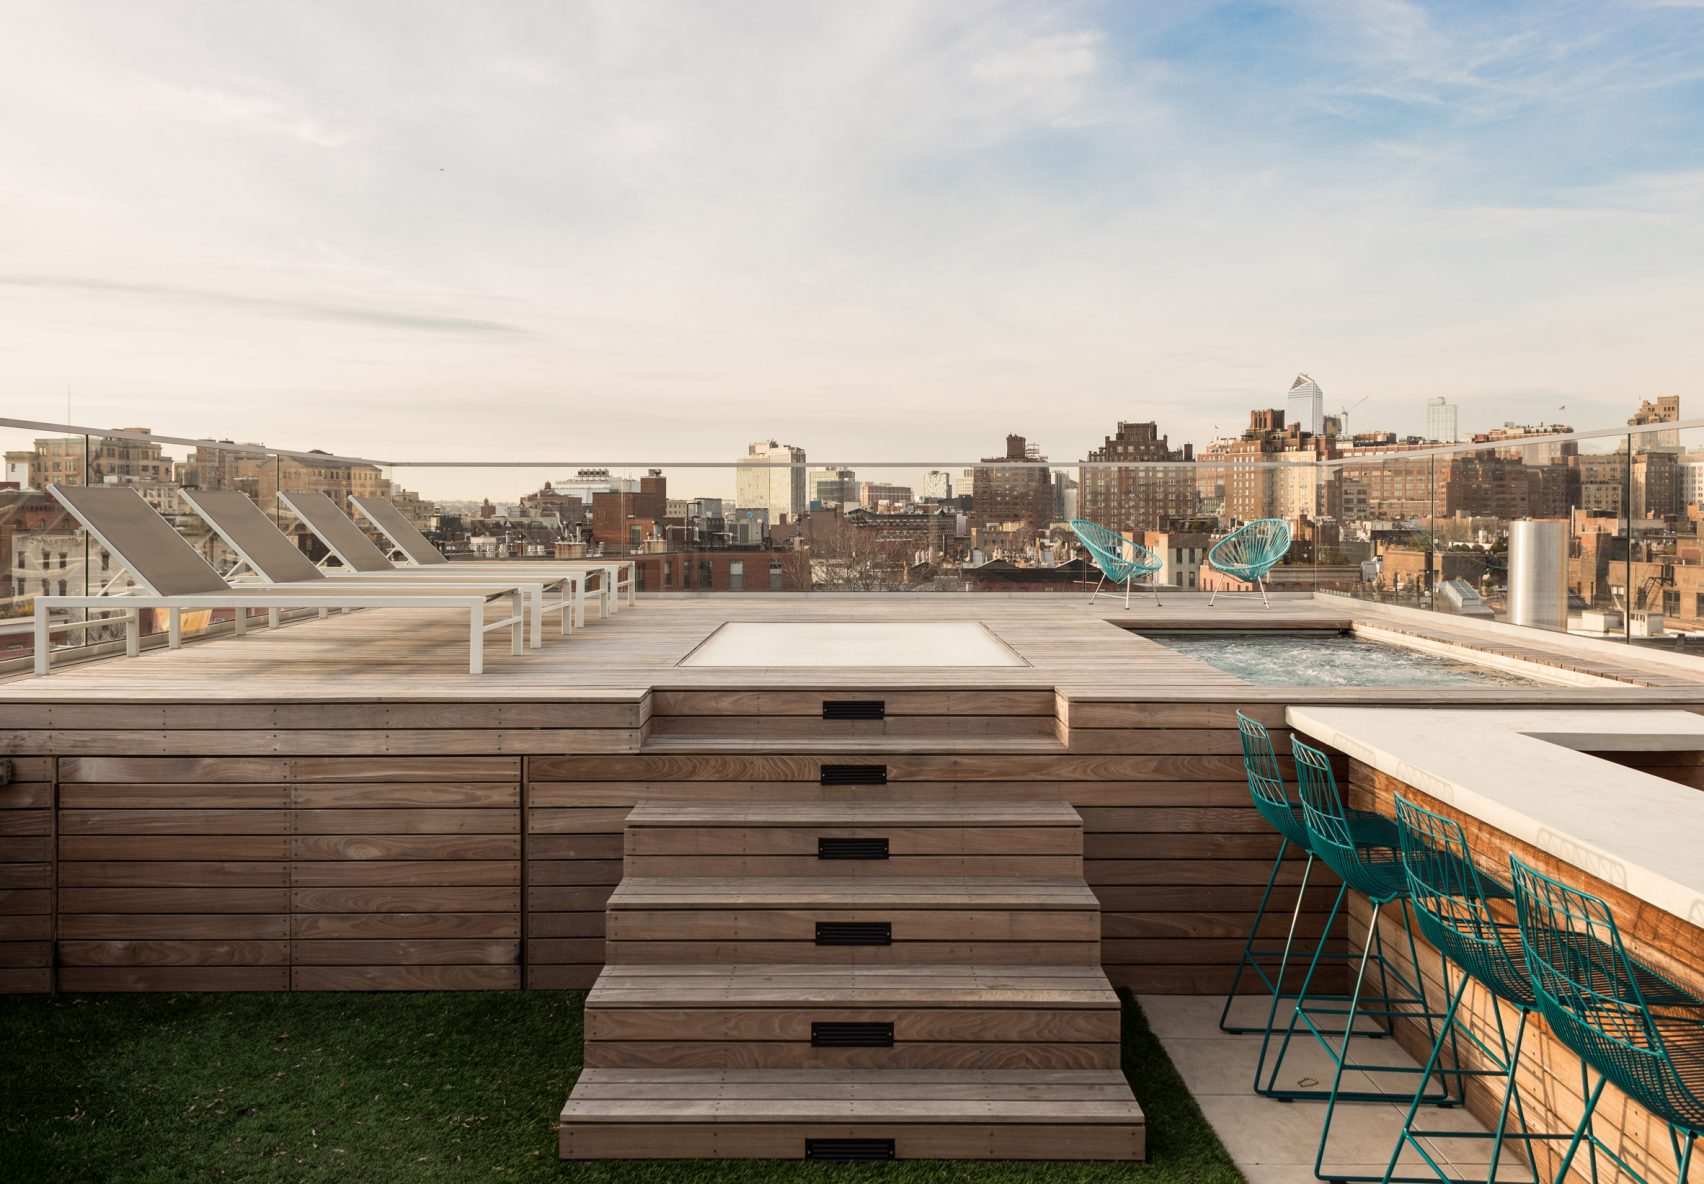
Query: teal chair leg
x=1249 y=953
x=1504 y=1060
x=1583 y=1132
x=1404 y=999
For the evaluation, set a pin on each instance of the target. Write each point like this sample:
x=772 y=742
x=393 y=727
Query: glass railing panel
x=1595 y=518
x=44 y=549
x=1662 y=567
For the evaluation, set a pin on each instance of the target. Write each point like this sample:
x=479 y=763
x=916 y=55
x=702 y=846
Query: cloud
x=266 y=305
x=871 y=229
x=266 y=113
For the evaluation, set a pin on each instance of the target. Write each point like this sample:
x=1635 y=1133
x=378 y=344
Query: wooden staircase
x=847 y=980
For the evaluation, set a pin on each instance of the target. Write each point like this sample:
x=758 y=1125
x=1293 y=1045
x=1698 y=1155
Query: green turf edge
x=158 y=1088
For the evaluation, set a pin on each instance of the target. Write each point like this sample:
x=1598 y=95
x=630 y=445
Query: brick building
x=1019 y=490
x=1144 y=496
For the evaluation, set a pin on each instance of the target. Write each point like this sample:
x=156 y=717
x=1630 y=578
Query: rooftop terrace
x=851 y=873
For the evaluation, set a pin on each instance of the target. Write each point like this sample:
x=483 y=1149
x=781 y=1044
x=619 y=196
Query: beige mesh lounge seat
x=174 y=576
x=419 y=551
x=351 y=547
x=269 y=553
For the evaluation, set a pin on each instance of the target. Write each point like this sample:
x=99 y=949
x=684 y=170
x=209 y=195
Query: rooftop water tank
x=1538 y=573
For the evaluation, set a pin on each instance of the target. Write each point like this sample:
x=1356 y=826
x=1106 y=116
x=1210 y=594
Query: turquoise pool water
x=1294 y=659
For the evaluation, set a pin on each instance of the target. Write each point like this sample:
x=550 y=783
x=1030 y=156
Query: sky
x=879 y=229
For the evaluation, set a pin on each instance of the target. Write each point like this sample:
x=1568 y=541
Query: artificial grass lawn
x=430 y=1087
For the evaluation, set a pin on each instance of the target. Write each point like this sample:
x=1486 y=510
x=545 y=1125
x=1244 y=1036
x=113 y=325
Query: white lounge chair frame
x=417 y=549
x=348 y=543
x=204 y=588
x=247 y=530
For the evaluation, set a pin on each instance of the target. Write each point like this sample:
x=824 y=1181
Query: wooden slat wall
x=26 y=876
x=1550 y=1074
x=267 y=863
x=1179 y=857
x=301 y=873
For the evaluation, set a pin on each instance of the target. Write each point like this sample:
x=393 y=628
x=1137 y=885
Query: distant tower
x=1441 y=421
x=1306 y=405
x=779 y=489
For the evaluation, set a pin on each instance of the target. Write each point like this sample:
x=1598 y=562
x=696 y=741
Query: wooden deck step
x=876 y=1113
x=854 y=838
x=954 y=744
x=1034 y=920
x=792 y=1016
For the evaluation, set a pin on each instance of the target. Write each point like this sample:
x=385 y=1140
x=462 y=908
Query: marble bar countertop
x=1528 y=772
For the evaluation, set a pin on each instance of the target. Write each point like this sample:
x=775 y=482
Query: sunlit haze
x=877 y=230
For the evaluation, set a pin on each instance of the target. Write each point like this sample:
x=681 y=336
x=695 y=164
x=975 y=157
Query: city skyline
x=418 y=234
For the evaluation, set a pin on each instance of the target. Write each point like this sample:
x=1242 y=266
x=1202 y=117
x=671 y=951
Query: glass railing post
x=1627 y=516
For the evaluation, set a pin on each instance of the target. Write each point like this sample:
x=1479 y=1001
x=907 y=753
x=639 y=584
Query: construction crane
x=1343 y=415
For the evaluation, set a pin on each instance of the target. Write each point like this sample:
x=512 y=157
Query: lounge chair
x=351 y=547
x=1120 y=560
x=269 y=553
x=418 y=550
x=175 y=577
x=1250 y=552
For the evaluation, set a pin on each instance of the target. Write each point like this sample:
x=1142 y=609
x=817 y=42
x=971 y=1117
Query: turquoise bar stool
x=1374 y=868
x=1628 y=1024
x=1250 y=552
x=1120 y=559
x=1273 y=802
x=1451 y=900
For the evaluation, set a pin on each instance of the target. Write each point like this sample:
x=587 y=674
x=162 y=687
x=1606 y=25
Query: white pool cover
x=851 y=643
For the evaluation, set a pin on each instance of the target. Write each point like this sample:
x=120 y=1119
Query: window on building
x=668 y=573
x=705 y=583
x=736 y=576
x=62 y=587
x=775 y=575
x=639 y=576
x=1698 y=605
x=106 y=561
x=63 y=557
x=1671 y=603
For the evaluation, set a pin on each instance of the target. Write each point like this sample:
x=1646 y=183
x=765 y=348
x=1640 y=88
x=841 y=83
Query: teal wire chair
x=1451 y=900
x=1250 y=552
x=1375 y=868
x=1273 y=802
x=1627 y=1023
x=1120 y=559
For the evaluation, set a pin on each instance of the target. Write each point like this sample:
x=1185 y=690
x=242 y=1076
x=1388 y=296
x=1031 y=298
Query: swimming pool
x=1277 y=658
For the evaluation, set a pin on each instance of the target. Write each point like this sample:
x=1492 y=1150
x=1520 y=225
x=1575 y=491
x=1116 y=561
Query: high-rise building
x=1666 y=409
x=72 y=460
x=833 y=487
x=1017 y=487
x=937 y=486
x=1271 y=470
x=1067 y=497
x=1150 y=484
x=1306 y=406
x=1440 y=421
x=771 y=476
x=883 y=497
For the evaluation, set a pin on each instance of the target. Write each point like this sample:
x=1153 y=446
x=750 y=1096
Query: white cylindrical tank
x=1538 y=573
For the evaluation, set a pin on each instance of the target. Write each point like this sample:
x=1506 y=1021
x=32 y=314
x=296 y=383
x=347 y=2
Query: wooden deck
x=338 y=805
x=1066 y=644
